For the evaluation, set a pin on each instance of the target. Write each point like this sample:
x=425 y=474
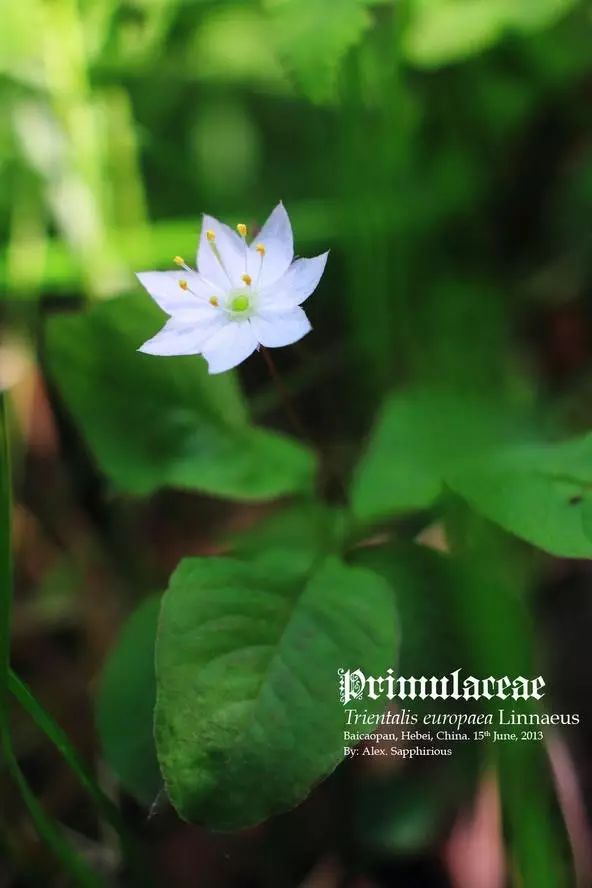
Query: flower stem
x=285 y=398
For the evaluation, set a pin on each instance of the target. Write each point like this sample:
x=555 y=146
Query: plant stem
x=285 y=398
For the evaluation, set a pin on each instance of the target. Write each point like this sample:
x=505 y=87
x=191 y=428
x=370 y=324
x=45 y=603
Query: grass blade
x=48 y=830
x=52 y=730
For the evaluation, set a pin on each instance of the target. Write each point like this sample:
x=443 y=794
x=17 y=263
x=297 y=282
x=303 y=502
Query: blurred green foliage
x=440 y=148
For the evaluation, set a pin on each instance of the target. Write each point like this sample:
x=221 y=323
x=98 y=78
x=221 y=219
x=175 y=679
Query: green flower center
x=240 y=303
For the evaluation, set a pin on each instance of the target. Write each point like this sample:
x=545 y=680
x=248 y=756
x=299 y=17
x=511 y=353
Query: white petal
x=229 y=346
x=179 y=338
x=275 y=329
x=278 y=228
x=276 y=236
x=164 y=288
x=303 y=276
x=223 y=261
x=300 y=280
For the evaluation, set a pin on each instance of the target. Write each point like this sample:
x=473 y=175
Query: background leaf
x=444 y=31
x=420 y=436
x=431 y=641
x=248 y=716
x=125 y=705
x=308 y=525
x=156 y=422
x=315 y=36
x=541 y=493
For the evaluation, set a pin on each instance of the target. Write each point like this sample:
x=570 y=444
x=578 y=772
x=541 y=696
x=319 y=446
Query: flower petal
x=164 y=288
x=276 y=236
x=278 y=228
x=222 y=261
x=275 y=329
x=180 y=338
x=300 y=280
x=229 y=346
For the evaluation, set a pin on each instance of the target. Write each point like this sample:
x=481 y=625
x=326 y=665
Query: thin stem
x=291 y=413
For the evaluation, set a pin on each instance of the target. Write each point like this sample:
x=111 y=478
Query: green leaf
x=125 y=705
x=442 y=31
x=153 y=422
x=314 y=37
x=425 y=583
x=541 y=493
x=420 y=437
x=248 y=716
x=426 y=441
x=308 y=526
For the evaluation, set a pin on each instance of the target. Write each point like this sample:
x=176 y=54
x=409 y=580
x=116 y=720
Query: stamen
x=261 y=250
x=213 y=300
x=211 y=236
x=178 y=260
x=247 y=279
x=242 y=230
x=184 y=285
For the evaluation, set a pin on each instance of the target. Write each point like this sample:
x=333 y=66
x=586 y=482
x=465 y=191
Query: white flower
x=241 y=296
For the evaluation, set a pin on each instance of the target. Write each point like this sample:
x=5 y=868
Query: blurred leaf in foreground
x=152 y=423
x=248 y=716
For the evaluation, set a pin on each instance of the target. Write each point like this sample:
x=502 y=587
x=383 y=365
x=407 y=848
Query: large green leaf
x=125 y=705
x=153 y=422
x=443 y=31
x=420 y=437
x=541 y=493
x=248 y=716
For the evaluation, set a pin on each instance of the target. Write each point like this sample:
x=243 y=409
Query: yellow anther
x=211 y=235
x=178 y=260
x=213 y=300
x=261 y=249
x=184 y=285
x=247 y=279
x=242 y=229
